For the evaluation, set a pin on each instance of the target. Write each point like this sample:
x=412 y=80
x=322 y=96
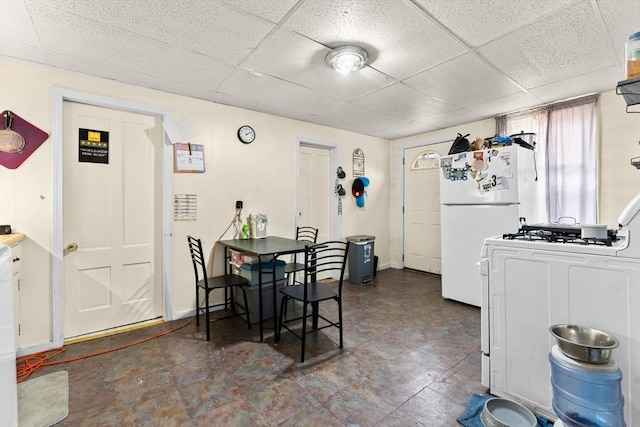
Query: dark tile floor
x=410 y=359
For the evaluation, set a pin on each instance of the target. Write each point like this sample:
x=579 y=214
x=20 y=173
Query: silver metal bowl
x=505 y=413
x=584 y=344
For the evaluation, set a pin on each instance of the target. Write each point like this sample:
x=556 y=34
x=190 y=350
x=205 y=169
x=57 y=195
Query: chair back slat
x=307 y=234
x=326 y=257
x=197 y=257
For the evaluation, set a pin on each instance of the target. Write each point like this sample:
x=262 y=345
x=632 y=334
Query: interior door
x=422 y=207
x=112 y=218
x=315 y=190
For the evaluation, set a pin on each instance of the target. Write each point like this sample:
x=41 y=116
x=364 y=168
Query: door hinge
x=19 y=329
x=18 y=285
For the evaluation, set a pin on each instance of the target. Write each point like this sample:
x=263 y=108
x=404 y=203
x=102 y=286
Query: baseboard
x=26 y=351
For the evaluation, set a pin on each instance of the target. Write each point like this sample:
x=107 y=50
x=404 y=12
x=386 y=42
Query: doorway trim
x=58 y=97
x=333 y=148
x=400 y=222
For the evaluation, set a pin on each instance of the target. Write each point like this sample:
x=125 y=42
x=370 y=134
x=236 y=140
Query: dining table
x=267 y=250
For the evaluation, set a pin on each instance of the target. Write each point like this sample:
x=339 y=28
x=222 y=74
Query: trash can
x=361 y=259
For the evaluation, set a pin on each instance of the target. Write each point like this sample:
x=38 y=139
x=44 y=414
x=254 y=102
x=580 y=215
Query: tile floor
x=410 y=359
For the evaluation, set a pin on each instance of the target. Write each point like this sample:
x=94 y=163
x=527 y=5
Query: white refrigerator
x=483 y=193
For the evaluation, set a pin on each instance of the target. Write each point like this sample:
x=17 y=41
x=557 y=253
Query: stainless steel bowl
x=505 y=413
x=584 y=344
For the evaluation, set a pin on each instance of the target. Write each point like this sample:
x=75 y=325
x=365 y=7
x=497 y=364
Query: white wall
x=619 y=142
x=261 y=174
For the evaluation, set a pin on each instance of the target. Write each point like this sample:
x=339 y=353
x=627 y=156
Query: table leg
x=260 y=298
x=276 y=334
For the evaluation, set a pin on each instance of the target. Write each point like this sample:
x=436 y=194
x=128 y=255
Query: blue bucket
x=586 y=394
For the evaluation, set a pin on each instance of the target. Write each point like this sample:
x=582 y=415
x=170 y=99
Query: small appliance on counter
x=257 y=226
x=5 y=229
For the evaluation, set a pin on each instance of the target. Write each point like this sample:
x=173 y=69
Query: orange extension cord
x=27 y=365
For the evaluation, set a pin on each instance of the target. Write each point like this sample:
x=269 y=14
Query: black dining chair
x=306 y=234
x=207 y=284
x=320 y=260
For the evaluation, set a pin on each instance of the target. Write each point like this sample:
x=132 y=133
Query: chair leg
x=340 y=319
x=283 y=309
x=206 y=298
x=197 y=306
x=315 y=310
x=246 y=305
x=231 y=298
x=304 y=331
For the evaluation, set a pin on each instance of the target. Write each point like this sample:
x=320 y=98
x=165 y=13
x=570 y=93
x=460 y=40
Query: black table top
x=270 y=245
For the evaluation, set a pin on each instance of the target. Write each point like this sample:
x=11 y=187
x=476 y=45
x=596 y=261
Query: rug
x=470 y=417
x=43 y=401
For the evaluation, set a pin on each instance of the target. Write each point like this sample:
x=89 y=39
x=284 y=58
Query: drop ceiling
x=433 y=63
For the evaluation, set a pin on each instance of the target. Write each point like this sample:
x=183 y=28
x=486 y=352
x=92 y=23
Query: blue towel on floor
x=470 y=417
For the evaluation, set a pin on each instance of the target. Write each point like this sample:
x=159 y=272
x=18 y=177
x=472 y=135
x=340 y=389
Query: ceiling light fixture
x=345 y=59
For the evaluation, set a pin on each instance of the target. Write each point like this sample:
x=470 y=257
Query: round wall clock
x=246 y=134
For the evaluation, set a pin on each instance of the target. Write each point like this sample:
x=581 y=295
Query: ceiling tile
x=17 y=25
x=622 y=18
x=477 y=22
x=400 y=39
x=292 y=57
x=202 y=26
x=456 y=81
x=273 y=11
x=596 y=81
x=401 y=101
x=270 y=91
x=507 y=104
x=572 y=41
x=451 y=118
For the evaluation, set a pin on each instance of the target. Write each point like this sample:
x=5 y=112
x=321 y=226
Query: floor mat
x=43 y=401
x=470 y=417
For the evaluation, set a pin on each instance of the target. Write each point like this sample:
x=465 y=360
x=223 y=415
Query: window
x=566 y=153
x=426 y=160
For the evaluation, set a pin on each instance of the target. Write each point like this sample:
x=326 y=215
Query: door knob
x=71 y=247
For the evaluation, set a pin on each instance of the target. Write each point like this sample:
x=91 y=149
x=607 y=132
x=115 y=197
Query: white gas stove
x=532 y=279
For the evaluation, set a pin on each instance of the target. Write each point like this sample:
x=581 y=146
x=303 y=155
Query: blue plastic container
x=586 y=394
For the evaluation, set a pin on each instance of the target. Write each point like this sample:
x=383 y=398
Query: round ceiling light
x=345 y=59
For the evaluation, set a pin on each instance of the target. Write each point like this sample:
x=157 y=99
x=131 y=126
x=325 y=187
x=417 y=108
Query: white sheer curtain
x=535 y=121
x=565 y=154
x=571 y=160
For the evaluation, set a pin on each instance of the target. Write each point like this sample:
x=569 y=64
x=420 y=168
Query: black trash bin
x=361 y=259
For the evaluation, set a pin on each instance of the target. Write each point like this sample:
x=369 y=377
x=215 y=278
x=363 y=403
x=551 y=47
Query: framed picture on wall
x=188 y=158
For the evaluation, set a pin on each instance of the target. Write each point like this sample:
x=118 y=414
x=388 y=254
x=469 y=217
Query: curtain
x=566 y=157
x=571 y=160
x=536 y=121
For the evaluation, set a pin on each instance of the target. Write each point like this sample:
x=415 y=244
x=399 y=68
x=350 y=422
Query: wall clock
x=246 y=134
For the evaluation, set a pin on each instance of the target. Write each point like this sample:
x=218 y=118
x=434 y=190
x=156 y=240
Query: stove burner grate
x=558 y=237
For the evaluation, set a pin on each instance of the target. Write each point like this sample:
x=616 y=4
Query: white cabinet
x=529 y=290
x=8 y=385
x=16 y=255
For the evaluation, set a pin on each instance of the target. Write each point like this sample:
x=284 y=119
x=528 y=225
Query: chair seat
x=316 y=292
x=293 y=267
x=224 y=281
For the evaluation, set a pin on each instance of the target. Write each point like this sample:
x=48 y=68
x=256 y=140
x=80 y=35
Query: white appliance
x=482 y=194
x=8 y=384
x=257 y=226
x=533 y=283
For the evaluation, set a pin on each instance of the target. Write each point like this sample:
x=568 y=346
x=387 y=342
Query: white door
x=112 y=218
x=422 y=207
x=315 y=190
